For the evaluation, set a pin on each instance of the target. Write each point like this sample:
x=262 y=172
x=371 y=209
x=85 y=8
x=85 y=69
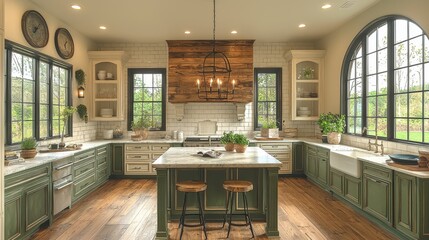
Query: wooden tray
x=407 y=167
x=268 y=139
x=58 y=150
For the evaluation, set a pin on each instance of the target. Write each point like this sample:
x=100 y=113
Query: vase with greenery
x=82 y=111
x=140 y=127
x=269 y=128
x=240 y=143
x=28 y=148
x=332 y=125
x=65 y=114
x=228 y=139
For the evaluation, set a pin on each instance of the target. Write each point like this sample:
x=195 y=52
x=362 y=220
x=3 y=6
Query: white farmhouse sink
x=347 y=161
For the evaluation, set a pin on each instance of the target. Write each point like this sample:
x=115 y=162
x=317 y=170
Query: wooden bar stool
x=192 y=187
x=237 y=186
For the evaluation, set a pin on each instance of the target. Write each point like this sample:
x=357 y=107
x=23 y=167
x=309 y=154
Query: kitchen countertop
x=187 y=157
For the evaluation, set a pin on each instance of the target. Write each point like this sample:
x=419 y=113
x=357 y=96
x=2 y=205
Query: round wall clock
x=64 y=43
x=35 y=29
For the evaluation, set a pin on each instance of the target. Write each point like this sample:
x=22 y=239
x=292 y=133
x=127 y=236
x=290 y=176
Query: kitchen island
x=255 y=165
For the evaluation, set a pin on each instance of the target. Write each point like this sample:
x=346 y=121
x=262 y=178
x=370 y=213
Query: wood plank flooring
x=126 y=209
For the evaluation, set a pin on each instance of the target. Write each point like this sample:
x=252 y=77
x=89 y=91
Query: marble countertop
x=186 y=157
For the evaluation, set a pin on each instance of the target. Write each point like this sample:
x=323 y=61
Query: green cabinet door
x=405 y=199
x=37 y=204
x=13 y=213
x=353 y=190
x=311 y=166
x=336 y=181
x=298 y=158
x=377 y=198
x=118 y=159
x=215 y=178
x=322 y=170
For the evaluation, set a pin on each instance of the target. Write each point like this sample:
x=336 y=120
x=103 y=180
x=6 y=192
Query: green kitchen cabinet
x=406 y=204
x=377 y=192
x=84 y=174
x=346 y=186
x=298 y=158
x=103 y=163
x=117 y=159
x=28 y=203
x=317 y=164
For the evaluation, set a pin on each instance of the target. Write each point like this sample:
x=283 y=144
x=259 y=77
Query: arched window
x=385 y=81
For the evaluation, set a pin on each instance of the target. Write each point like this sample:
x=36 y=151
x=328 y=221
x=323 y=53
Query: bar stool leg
x=202 y=215
x=246 y=209
x=230 y=214
x=182 y=218
x=228 y=196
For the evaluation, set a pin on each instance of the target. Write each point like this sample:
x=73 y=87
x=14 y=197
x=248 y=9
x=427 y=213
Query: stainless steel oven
x=202 y=141
x=62 y=184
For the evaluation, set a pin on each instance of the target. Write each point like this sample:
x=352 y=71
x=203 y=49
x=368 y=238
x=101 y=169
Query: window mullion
x=36 y=127
x=390 y=80
x=8 y=123
x=50 y=101
x=364 y=85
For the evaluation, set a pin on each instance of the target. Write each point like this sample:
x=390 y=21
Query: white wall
x=337 y=42
x=155 y=55
x=14 y=9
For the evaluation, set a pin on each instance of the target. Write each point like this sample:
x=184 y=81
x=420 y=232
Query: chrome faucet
x=376 y=144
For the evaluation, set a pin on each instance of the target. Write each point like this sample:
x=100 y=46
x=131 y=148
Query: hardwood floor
x=126 y=209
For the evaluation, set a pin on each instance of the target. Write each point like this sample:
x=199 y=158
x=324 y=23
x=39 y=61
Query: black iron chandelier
x=216 y=72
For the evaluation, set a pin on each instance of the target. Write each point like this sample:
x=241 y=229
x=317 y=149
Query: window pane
x=359 y=67
x=426 y=53
x=371 y=106
x=17 y=90
x=28 y=129
x=371 y=125
x=382 y=60
x=352 y=72
x=17 y=68
x=262 y=94
x=157 y=94
x=358 y=126
x=359 y=107
x=415 y=104
x=426 y=76
x=44 y=112
x=382 y=37
x=382 y=83
x=147 y=94
x=382 y=106
x=157 y=109
x=351 y=92
x=371 y=42
x=271 y=94
x=157 y=80
x=351 y=107
x=401 y=105
x=426 y=104
x=416 y=78
x=17 y=132
x=359 y=87
x=401 y=29
x=28 y=68
x=147 y=80
x=401 y=80
x=382 y=127
x=401 y=54
x=416 y=128
x=414 y=30
x=262 y=108
x=401 y=129
x=351 y=125
x=372 y=63
x=416 y=50
x=372 y=85
x=16 y=111
x=426 y=132
x=138 y=80
x=138 y=94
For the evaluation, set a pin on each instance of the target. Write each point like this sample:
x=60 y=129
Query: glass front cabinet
x=305 y=68
x=106 y=81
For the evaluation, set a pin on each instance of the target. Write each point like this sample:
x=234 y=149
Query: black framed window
x=37 y=89
x=267 y=103
x=146 y=96
x=386 y=81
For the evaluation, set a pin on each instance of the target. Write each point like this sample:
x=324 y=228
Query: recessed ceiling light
x=234 y=32
x=187 y=32
x=103 y=27
x=326 y=6
x=76 y=7
x=302 y=25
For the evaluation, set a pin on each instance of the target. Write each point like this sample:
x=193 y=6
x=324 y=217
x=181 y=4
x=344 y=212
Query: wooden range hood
x=185 y=61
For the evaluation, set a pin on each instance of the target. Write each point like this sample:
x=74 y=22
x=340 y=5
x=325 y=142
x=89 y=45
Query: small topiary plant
x=28 y=143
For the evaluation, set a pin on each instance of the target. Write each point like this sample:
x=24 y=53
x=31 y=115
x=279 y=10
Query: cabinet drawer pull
x=63 y=186
x=374 y=180
x=63 y=166
x=323 y=160
x=137 y=168
x=84 y=170
x=27 y=180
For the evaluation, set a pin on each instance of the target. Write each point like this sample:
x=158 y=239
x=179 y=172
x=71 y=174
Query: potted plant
x=140 y=128
x=269 y=128
x=228 y=140
x=331 y=125
x=80 y=77
x=82 y=111
x=28 y=148
x=240 y=143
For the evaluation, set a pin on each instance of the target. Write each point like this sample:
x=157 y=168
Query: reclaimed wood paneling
x=185 y=62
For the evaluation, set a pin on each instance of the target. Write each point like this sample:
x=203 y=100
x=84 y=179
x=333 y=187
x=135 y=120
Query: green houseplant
x=240 y=143
x=331 y=125
x=82 y=111
x=228 y=139
x=80 y=77
x=28 y=148
x=269 y=128
x=140 y=128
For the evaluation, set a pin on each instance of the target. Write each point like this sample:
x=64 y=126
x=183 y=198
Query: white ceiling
x=159 y=20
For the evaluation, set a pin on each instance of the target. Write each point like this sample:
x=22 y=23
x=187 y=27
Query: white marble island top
x=187 y=157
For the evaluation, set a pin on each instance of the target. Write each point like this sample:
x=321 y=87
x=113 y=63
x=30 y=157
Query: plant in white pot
x=332 y=125
x=269 y=128
x=228 y=139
